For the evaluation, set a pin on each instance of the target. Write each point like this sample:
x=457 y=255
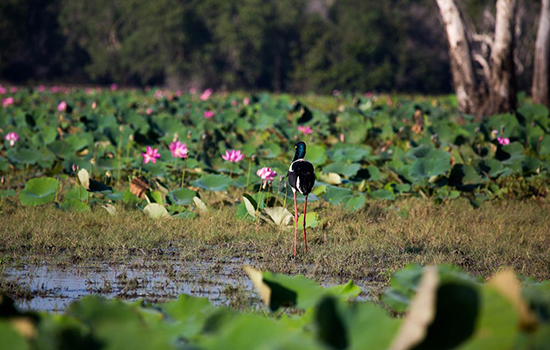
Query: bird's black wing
x=301 y=176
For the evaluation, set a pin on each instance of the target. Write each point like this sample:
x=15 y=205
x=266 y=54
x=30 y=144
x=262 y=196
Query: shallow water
x=55 y=287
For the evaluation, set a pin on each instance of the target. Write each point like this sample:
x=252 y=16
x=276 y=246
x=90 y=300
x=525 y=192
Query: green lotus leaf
x=39 y=191
x=23 y=156
x=492 y=167
x=181 y=196
x=337 y=195
x=434 y=162
x=45 y=136
x=11 y=338
x=348 y=153
x=347 y=170
x=279 y=290
x=312 y=220
x=7 y=193
x=213 y=182
x=464 y=175
x=74 y=205
x=316 y=155
x=382 y=194
x=355 y=203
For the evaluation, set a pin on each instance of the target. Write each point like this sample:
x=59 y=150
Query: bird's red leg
x=295 y=223
x=305 y=211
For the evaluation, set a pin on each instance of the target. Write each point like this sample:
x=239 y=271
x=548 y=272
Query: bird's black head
x=300 y=150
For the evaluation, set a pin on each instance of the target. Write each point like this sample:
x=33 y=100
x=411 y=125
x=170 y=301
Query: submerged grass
x=368 y=244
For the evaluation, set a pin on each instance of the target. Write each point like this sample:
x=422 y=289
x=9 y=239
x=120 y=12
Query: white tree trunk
x=464 y=78
x=502 y=86
x=489 y=87
x=541 y=74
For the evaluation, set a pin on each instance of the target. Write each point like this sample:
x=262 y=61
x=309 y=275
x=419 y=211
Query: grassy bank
x=373 y=242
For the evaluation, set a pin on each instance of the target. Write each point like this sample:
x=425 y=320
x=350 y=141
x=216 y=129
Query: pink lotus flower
x=114 y=87
x=503 y=140
x=306 y=130
x=266 y=174
x=192 y=91
x=335 y=92
x=40 y=88
x=149 y=111
x=159 y=94
x=2 y=90
x=368 y=94
x=246 y=101
x=150 y=155
x=178 y=149
x=11 y=137
x=54 y=89
x=234 y=103
x=208 y=114
x=233 y=156
x=178 y=93
x=206 y=94
x=75 y=168
x=62 y=106
x=7 y=102
x=13 y=89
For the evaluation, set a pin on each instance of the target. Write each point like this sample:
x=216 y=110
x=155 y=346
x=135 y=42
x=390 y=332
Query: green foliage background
x=296 y=45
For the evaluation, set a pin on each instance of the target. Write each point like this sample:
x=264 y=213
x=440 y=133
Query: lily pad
x=155 y=211
x=312 y=220
x=181 y=196
x=213 y=182
x=39 y=191
x=75 y=205
x=347 y=170
x=337 y=195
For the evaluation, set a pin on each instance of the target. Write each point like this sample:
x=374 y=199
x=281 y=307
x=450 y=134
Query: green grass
x=371 y=243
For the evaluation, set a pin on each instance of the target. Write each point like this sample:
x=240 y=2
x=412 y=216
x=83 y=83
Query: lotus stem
x=248 y=173
x=183 y=172
x=278 y=190
x=284 y=203
x=231 y=171
x=119 y=156
x=259 y=202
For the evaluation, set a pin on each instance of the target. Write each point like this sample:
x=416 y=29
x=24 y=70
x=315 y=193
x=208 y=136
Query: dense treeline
x=292 y=45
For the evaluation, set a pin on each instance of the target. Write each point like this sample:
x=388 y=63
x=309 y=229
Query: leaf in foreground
x=278 y=290
x=155 y=211
x=280 y=215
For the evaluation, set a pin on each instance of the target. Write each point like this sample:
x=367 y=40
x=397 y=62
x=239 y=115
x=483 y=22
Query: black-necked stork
x=301 y=178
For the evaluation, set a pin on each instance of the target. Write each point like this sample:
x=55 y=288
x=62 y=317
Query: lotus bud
x=342 y=137
x=3 y=180
x=204 y=136
x=175 y=138
x=121 y=128
x=75 y=168
x=92 y=161
x=131 y=138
